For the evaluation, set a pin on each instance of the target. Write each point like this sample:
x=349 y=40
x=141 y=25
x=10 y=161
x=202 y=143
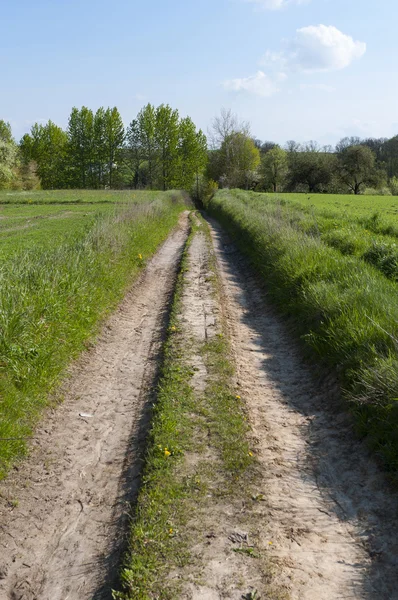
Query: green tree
x=147 y=127
x=47 y=145
x=192 y=152
x=357 y=168
x=274 y=168
x=114 y=139
x=81 y=147
x=5 y=132
x=311 y=169
x=134 y=154
x=99 y=149
x=238 y=161
x=8 y=163
x=201 y=159
x=167 y=138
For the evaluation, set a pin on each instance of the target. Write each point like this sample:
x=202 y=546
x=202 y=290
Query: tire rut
x=328 y=519
x=63 y=511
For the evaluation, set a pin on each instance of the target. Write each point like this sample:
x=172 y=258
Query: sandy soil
x=328 y=521
x=63 y=513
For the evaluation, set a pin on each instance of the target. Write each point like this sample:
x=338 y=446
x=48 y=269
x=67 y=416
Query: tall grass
x=345 y=311
x=53 y=298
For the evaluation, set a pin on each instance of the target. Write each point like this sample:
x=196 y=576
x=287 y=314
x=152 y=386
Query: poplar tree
x=114 y=138
x=192 y=154
x=147 y=126
x=167 y=138
x=134 y=152
x=81 y=147
x=100 y=153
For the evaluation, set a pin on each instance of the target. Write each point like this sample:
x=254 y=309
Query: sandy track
x=62 y=540
x=329 y=521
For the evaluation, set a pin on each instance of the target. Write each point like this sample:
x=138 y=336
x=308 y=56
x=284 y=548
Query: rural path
x=327 y=521
x=63 y=514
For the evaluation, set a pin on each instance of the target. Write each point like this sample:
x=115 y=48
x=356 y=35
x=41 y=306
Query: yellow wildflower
x=250 y=453
x=238 y=397
x=140 y=256
x=167 y=452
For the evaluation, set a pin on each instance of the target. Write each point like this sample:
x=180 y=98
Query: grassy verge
x=345 y=312
x=53 y=297
x=184 y=425
x=369 y=236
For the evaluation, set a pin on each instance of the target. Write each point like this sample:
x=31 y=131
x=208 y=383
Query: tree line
x=161 y=150
x=237 y=159
x=158 y=150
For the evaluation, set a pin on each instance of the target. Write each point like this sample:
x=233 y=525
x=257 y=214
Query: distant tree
x=201 y=158
x=47 y=145
x=147 y=127
x=5 y=132
x=292 y=147
x=357 y=168
x=390 y=156
x=192 y=152
x=347 y=142
x=8 y=163
x=266 y=147
x=81 y=147
x=100 y=152
x=134 y=154
x=239 y=160
x=224 y=125
x=166 y=139
x=114 y=136
x=377 y=145
x=274 y=168
x=311 y=170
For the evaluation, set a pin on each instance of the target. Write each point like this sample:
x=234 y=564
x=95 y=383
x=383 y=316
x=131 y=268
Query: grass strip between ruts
x=159 y=537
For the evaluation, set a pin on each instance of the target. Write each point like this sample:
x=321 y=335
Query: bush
x=385 y=191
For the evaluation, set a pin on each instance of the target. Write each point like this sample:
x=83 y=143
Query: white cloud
x=323 y=48
x=317 y=86
x=276 y=4
x=314 y=49
x=259 y=84
x=317 y=48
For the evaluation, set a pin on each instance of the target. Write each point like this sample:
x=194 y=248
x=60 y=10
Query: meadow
x=66 y=260
x=331 y=269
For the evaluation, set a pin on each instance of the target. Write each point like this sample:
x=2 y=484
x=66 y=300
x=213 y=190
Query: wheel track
x=63 y=540
x=329 y=519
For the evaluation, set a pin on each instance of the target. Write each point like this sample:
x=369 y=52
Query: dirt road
x=325 y=520
x=62 y=514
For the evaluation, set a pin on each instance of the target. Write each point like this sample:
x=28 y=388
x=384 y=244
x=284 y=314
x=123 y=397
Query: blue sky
x=296 y=69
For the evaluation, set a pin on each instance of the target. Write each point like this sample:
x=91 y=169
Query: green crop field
x=333 y=274
x=56 y=249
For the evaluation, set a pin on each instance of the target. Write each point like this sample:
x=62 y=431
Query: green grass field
x=346 y=204
x=64 y=266
x=334 y=277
